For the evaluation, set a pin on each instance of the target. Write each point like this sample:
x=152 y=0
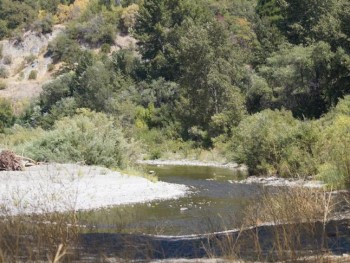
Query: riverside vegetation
x=260 y=82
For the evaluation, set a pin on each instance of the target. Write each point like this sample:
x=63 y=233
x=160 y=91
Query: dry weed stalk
x=294 y=215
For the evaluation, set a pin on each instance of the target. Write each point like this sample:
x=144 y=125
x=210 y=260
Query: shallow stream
x=214 y=203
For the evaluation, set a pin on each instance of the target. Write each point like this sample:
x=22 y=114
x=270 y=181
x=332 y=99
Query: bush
x=50 y=67
x=4 y=73
x=44 y=25
x=334 y=152
x=33 y=74
x=55 y=91
x=30 y=58
x=7 y=60
x=64 y=49
x=106 y=48
x=2 y=85
x=274 y=143
x=89 y=137
x=7 y=117
x=94 y=32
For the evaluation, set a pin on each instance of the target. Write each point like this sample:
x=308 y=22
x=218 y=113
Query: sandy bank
x=278 y=181
x=62 y=187
x=185 y=162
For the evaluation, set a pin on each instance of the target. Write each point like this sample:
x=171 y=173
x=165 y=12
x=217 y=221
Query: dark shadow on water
x=335 y=239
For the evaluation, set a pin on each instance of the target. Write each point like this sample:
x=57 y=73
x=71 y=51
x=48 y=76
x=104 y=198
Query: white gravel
x=185 y=162
x=63 y=187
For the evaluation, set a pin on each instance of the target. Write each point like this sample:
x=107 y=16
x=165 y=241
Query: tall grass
x=288 y=225
x=32 y=238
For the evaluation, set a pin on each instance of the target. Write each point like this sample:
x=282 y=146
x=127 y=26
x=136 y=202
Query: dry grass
x=38 y=238
x=283 y=226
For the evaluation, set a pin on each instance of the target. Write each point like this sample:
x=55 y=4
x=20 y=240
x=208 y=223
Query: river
x=214 y=203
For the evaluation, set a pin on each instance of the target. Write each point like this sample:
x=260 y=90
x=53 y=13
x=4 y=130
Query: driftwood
x=9 y=161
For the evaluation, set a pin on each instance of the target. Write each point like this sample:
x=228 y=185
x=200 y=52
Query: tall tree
x=209 y=76
x=157 y=30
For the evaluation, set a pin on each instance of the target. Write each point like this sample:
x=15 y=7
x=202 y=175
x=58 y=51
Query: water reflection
x=214 y=203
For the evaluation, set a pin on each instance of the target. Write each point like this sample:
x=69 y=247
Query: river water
x=214 y=203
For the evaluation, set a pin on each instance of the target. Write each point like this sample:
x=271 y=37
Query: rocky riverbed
x=63 y=187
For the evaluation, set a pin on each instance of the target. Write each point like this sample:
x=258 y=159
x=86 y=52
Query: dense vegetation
x=263 y=81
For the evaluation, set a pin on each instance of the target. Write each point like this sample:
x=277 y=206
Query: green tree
x=274 y=143
x=158 y=28
x=299 y=79
x=209 y=76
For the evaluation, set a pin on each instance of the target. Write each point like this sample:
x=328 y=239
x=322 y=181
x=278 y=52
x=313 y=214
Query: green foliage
x=44 y=25
x=15 y=14
x=274 y=143
x=55 y=91
x=208 y=90
x=89 y=137
x=97 y=88
x=7 y=117
x=158 y=29
x=334 y=146
x=3 y=29
x=64 y=49
x=335 y=152
x=300 y=79
x=106 y=48
x=270 y=9
x=96 y=31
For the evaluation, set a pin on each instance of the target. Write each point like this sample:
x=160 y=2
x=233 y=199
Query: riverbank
x=65 y=187
x=262 y=180
x=278 y=182
x=185 y=162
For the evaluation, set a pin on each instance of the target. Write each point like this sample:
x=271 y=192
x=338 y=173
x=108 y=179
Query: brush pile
x=9 y=161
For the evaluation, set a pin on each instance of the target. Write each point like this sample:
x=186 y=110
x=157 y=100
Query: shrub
x=3 y=30
x=44 y=24
x=30 y=58
x=50 y=67
x=7 y=60
x=64 y=49
x=2 y=85
x=106 y=48
x=7 y=117
x=91 y=137
x=55 y=91
x=334 y=152
x=4 y=73
x=94 y=32
x=333 y=147
x=274 y=143
x=33 y=74
x=128 y=18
